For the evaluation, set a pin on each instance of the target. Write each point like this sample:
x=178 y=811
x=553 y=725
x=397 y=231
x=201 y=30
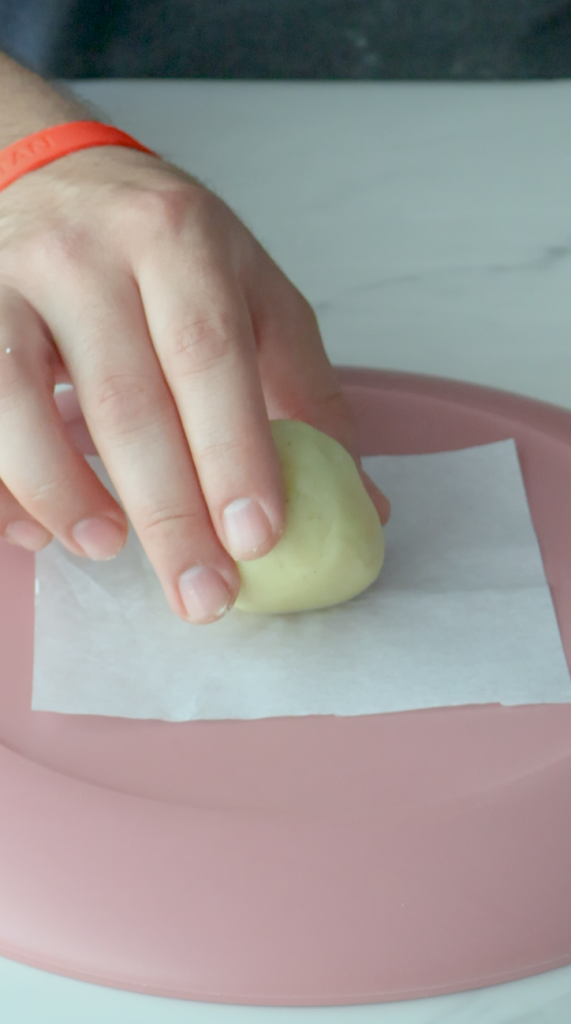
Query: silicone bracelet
x=42 y=147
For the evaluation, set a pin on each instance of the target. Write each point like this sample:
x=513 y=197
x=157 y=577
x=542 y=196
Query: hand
x=127 y=277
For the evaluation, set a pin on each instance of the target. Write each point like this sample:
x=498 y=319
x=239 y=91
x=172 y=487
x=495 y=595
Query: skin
x=127 y=277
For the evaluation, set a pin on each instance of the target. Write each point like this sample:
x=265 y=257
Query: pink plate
x=310 y=860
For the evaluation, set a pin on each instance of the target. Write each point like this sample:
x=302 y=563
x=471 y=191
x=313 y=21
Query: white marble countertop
x=430 y=226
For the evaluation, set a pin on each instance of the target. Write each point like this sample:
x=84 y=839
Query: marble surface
x=430 y=225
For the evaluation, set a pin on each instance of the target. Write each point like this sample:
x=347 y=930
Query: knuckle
x=123 y=402
x=60 y=248
x=220 y=453
x=41 y=497
x=164 y=524
x=162 y=209
x=198 y=347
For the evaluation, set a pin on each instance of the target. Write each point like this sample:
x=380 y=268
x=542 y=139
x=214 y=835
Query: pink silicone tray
x=301 y=861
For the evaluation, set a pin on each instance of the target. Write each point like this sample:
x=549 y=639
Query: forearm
x=29 y=104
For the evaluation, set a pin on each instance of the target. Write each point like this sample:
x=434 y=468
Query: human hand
x=181 y=336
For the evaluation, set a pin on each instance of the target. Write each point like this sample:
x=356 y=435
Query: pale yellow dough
x=333 y=545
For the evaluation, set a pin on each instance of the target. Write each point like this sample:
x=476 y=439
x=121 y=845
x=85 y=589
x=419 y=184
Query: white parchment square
x=461 y=614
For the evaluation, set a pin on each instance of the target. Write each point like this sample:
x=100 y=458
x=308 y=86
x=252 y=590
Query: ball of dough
x=332 y=547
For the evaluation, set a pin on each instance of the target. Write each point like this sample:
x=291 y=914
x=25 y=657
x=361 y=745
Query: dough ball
x=333 y=545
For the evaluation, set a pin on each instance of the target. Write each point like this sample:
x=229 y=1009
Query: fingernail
x=246 y=526
x=204 y=594
x=27 y=535
x=99 y=539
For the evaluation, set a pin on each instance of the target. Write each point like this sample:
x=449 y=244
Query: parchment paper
x=461 y=614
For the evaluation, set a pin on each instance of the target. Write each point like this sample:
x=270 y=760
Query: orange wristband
x=42 y=147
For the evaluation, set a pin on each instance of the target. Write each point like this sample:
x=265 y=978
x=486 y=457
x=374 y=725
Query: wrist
x=28 y=104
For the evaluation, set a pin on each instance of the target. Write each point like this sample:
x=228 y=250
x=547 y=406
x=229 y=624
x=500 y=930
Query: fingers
x=178 y=347
x=17 y=527
x=297 y=377
x=41 y=473
x=137 y=430
x=204 y=340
